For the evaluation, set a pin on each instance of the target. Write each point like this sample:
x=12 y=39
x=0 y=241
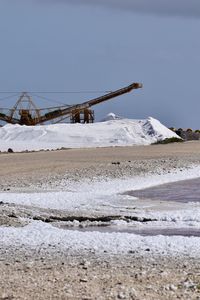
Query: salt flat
x=45 y=194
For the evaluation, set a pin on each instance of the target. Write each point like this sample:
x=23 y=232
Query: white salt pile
x=113 y=131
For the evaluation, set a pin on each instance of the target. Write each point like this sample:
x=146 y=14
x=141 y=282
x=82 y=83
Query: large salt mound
x=115 y=132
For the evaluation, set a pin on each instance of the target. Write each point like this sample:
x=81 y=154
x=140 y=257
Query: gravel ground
x=44 y=170
x=50 y=275
x=90 y=277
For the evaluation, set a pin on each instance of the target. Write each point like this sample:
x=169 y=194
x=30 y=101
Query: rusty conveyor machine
x=26 y=116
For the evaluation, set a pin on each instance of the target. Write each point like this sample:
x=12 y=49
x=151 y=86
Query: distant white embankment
x=112 y=131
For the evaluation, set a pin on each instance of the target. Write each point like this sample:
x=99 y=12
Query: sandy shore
x=35 y=274
x=40 y=168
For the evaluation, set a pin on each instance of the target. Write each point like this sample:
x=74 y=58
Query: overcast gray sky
x=77 y=45
x=182 y=8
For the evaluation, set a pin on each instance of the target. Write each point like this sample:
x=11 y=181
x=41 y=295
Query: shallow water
x=181 y=191
x=144 y=232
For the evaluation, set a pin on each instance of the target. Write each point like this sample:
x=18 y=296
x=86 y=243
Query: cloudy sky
x=82 y=45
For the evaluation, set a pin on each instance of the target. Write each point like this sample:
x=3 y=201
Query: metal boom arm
x=26 y=117
x=66 y=111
